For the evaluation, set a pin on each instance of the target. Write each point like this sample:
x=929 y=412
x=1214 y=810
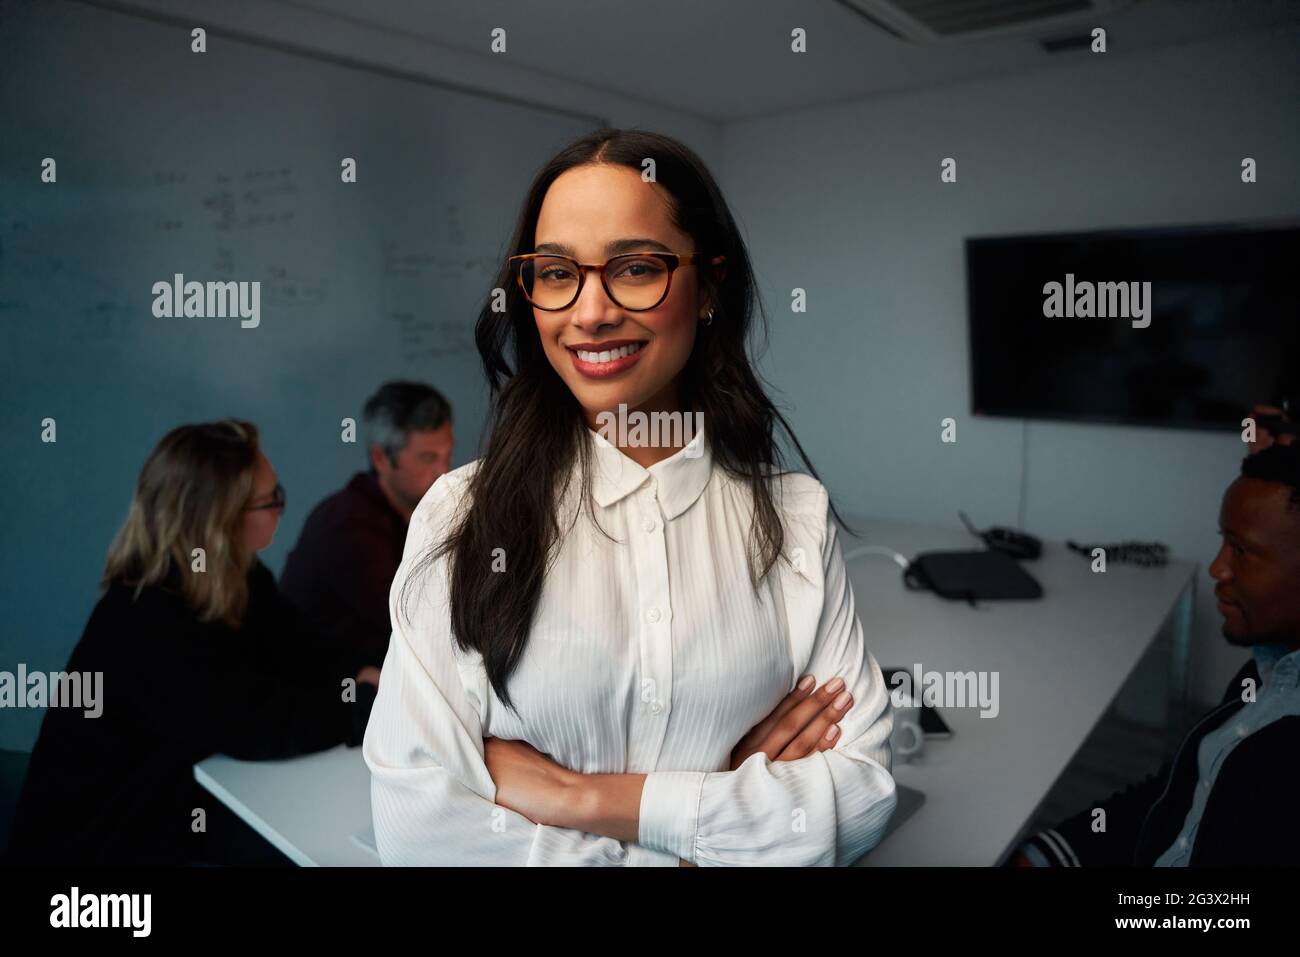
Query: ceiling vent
x=954 y=21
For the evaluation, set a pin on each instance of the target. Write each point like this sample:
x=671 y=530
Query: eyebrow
x=1243 y=539
x=613 y=248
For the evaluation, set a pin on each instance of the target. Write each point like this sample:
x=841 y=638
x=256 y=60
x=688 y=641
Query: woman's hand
x=529 y=782
x=799 y=725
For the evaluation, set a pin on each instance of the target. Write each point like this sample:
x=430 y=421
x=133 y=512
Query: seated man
x=342 y=566
x=1227 y=796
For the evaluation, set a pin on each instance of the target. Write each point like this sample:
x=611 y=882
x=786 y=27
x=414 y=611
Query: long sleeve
x=359 y=621
x=213 y=691
x=297 y=649
x=1075 y=843
x=341 y=568
x=431 y=794
x=828 y=808
x=340 y=577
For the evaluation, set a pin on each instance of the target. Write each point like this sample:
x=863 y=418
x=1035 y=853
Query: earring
x=709 y=320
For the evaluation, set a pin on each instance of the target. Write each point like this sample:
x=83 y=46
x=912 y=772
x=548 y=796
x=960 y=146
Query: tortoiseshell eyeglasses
x=635 y=281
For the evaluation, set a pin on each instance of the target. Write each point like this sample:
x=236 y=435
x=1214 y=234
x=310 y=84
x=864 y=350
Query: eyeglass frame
x=278 y=502
x=671 y=260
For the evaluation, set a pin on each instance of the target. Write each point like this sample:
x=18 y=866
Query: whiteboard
x=221 y=166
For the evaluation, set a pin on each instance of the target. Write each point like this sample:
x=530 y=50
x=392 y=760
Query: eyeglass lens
x=634 y=282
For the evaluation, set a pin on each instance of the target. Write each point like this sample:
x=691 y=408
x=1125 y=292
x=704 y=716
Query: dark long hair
x=538 y=428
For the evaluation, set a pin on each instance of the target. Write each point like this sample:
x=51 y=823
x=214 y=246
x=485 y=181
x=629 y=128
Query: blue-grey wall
x=846 y=203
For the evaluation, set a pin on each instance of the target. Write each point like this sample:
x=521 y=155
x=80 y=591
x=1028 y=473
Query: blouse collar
x=678 y=480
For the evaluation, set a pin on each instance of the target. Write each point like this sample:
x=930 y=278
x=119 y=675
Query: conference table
x=1060 y=661
x=965 y=800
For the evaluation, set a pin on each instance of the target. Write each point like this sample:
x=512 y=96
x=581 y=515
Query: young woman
x=598 y=640
x=199 y=655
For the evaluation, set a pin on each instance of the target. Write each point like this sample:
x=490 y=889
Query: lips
x=604 y=359
x=1225 y=606
x=606 y=352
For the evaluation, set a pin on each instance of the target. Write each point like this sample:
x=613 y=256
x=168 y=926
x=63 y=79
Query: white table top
x=1060 y=661
x=312 y=808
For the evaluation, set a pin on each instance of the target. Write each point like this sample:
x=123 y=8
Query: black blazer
x=1246 y=821
x=119 y=789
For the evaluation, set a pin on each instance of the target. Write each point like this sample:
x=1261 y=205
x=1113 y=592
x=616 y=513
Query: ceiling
x=725 y=60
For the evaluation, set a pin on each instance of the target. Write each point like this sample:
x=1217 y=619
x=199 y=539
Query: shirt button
x=656 y=707
x=1241 y=731
x=1182 y=842
x=648 y=524
x=652 y=614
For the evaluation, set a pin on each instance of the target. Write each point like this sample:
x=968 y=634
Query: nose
x=594 y=309
x=1220 y=568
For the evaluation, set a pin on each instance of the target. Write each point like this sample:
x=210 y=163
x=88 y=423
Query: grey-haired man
x=340 y=571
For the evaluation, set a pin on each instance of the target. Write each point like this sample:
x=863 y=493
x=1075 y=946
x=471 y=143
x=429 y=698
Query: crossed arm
x=545 y=792
x=442 y=793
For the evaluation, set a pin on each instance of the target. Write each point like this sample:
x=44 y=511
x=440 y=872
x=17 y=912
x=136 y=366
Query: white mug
x=907 y=740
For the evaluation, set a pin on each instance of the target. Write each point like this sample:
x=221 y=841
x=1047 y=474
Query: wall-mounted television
x=1178 y=327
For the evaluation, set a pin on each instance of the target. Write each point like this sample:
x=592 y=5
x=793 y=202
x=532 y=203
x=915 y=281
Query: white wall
x=846 y=202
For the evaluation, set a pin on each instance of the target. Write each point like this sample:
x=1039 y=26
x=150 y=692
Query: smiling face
x=1257 y=568
x=592 y=213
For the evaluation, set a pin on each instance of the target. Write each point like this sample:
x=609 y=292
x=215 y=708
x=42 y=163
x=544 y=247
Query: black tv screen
x=1216 y=331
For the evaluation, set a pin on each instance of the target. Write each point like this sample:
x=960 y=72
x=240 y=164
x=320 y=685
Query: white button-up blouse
x=648 y=654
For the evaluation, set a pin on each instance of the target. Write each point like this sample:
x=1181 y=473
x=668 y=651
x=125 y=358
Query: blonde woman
x=199 y=654
x=612 y=647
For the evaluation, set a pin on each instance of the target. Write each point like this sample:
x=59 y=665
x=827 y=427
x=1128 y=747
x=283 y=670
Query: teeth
x=608 y=355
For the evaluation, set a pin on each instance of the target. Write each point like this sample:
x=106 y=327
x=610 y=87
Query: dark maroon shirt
x=343 y=565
